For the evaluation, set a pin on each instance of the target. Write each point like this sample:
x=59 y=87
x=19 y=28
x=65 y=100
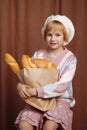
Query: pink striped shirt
x=66 y=63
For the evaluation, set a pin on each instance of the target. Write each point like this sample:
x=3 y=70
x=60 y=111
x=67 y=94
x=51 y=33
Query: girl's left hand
x=31 y=92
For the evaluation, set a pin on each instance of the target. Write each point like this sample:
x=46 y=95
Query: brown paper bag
x=39 y=77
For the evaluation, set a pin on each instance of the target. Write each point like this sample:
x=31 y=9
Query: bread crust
x=12 y=63
x=28 y=62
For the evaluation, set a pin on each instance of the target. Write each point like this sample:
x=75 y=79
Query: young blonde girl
x=57 y=31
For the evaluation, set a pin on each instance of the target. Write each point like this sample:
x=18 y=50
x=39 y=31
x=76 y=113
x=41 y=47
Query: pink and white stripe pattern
x=66 y=63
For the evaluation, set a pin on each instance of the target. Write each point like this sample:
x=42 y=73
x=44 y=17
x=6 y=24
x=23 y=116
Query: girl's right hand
x=22 y=90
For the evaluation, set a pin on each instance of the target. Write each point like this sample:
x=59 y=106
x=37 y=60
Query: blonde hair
x=56 y=25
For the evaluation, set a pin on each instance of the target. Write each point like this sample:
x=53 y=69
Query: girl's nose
x=53 y=38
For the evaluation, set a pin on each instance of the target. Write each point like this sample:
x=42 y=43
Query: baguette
x=28 y=62
x=12 y=63
x=42 y=63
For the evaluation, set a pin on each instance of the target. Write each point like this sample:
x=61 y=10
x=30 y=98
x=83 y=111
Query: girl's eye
x=49 y=34
x=57 y=34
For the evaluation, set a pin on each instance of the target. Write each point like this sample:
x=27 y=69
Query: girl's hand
x=22 y=90
x=31 y=92
x=26 y=91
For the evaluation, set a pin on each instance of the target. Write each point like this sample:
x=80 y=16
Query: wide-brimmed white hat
x=67 y=23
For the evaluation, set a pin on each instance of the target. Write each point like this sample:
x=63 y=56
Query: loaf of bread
x=28 y=62
x=42 y=63
x=12 y=63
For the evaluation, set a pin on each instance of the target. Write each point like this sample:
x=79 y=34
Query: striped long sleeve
x=63 y=87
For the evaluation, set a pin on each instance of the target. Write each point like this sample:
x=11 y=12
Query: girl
x=57 y=31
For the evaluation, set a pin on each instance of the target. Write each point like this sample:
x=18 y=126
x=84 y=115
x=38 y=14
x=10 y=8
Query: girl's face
x=55 y=39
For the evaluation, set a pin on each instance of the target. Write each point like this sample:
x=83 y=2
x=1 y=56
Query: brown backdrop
x=20 y=24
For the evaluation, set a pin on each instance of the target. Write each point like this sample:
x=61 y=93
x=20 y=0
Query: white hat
x=65 y=21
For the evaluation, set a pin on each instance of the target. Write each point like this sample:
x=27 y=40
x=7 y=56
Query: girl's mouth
x=53 y=43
